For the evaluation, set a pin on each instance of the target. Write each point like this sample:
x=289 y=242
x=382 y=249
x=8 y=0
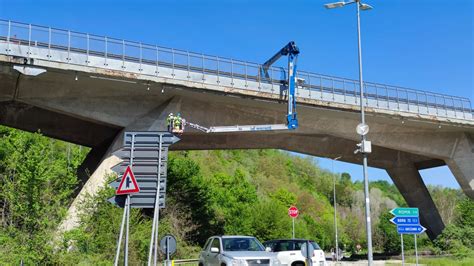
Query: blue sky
x=421 y=44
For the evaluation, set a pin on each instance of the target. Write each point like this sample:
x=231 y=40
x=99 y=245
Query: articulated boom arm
x=289 y=49
x=292 y=121
x=177 y=124
x=237 y=128
x=292 y=51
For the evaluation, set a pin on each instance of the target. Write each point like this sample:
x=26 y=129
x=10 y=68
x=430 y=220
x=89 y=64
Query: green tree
x=344 y=190
x=38 y=177
x=458 y=238
x=187 y=187
x=270 y=220
x=283 y=197
x=390 y=239
x=465 y=210
x=232 y=198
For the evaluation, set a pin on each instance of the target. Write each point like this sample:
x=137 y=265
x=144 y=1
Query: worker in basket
x=170 y=122
x=175 y=123
x=178 y=124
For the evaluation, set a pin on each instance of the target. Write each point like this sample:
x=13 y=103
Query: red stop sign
x=293 y=212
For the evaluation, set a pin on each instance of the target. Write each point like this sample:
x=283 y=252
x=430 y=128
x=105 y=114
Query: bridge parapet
x=138 y=60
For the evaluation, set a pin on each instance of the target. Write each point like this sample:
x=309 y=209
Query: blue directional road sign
x=407 y=212
x=410 y=229
x=405 y=220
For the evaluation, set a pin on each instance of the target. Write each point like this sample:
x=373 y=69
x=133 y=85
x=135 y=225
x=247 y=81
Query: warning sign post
x=146 y=154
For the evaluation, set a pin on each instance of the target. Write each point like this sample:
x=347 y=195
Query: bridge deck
x=31 y=41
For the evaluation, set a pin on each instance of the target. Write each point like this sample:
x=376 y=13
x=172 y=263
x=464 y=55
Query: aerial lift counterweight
x=291 y=51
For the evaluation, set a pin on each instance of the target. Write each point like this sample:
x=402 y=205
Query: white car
x=289 y=252
x=235 y=251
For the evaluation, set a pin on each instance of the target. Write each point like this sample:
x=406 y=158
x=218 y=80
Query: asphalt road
x=365 y=262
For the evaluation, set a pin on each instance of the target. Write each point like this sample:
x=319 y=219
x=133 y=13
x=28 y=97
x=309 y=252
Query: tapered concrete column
x=462 y=161
x=102 y=156
x=91 y=186
x=410 y=184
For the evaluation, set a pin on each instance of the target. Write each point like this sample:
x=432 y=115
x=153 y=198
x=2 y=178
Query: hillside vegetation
x=209 y=192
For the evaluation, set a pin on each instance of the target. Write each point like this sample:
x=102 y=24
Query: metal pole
x=416 y=252
x=127 y=229
x=127 y=206
x=172 y=63
x=123 y=54
x=8 y=36
x=155 y=258
x=29 y=41
x=9 y=30
x=335 y=216
x=87 y=37
x=167 y=250
x=106 y=51
x=141 y=57
x=49 y=43
x=119 y=242
x=403 y=255
x=157 y=200
x=335 y=211
x=68 y=45
x=154 y=231
x=293 y=234
x=366 y=176
x=152 y=241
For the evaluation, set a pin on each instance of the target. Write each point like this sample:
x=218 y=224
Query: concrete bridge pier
x=461 y=161
x=407 y=179
x=100 y=160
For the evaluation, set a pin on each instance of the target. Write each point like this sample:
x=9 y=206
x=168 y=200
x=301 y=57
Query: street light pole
x=363 y=130
x=335 y=211
x=364 y=138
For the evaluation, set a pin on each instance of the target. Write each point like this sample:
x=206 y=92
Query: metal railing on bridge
x=71 y=47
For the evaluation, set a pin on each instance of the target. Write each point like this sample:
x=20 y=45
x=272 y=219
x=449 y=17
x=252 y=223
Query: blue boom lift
x=290 y=50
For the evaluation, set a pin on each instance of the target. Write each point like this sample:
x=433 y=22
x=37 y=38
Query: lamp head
x=335 y=5
x=365 y=7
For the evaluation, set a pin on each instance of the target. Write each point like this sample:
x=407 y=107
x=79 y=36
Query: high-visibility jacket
x=169 y=120
x=177 y=121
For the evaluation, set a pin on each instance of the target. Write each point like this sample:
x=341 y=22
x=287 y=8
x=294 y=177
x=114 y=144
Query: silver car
x=235 y=251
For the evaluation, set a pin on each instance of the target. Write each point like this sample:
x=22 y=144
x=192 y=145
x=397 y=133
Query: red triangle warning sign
x=129 y=184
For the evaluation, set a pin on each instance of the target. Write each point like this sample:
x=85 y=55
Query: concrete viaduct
x=88 y=89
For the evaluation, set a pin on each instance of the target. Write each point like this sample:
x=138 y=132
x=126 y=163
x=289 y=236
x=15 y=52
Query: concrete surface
x=365 y=262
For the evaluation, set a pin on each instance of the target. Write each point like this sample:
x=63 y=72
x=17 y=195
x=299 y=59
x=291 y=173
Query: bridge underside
x=94 y=109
